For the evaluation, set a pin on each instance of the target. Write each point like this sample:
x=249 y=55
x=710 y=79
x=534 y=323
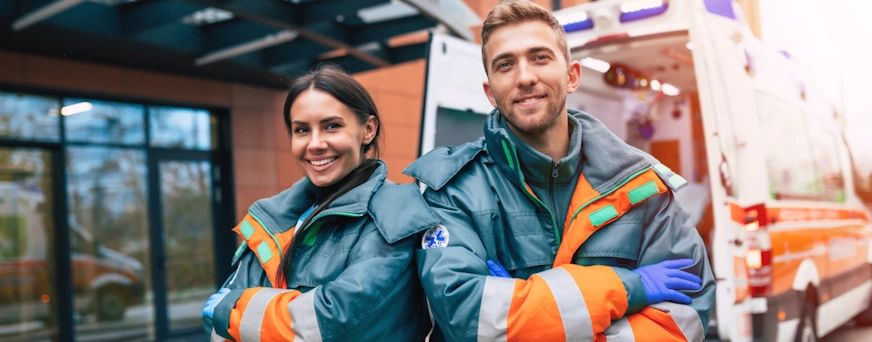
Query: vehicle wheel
x=807 y=329
x=110 y=305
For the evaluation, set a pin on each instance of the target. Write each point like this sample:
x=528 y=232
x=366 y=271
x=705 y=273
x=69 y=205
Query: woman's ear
x=370 y=128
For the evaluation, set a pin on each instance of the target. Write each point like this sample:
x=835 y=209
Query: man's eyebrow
x=499 y=57
x=534 y=49
x=540 y=49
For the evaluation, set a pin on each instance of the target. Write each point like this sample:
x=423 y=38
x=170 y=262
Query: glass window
x=829 y=165
x=455 y=127
x=29 y=117
x=27 y=280
x=94 y=121
x=106 y=189
x=792 y=169
x=186 y=199
x=182 y=128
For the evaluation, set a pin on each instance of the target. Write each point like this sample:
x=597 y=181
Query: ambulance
x=771 y=180
x=105 y=282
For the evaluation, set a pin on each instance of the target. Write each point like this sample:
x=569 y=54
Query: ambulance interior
x=644 y=90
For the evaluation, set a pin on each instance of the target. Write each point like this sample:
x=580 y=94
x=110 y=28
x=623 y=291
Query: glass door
x=186 y=196
x=28 y=293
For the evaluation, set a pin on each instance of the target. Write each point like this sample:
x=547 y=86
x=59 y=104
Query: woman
x=331 y=258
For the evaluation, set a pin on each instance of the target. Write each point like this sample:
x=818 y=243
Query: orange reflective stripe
x=264 y=246
x=536 y=315
x=603 y=292
x=583 y=193
x=582 y=228
x=264 y=312
x=236 y=314
x=655 y=326
x=533 y=315
x=277 y=319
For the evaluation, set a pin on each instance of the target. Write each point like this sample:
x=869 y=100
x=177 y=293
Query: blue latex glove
x=209 y=309
x=663 y=280
x=497 y=270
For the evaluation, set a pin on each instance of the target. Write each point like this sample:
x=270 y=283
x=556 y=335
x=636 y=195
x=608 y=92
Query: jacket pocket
x=518 y=240
x=616 y=244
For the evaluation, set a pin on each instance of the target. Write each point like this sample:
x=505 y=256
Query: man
x=586 y=226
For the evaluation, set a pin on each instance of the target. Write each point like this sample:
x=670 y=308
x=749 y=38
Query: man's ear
x=489 y=94
x=573 y=77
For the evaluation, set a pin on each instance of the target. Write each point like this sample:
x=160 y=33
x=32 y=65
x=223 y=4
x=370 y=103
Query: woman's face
x=326 y=137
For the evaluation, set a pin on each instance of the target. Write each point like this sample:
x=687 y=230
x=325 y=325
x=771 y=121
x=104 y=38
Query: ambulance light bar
x=641 y=9
x=575 y=21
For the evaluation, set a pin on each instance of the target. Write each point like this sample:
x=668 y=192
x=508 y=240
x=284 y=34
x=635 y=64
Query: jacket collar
x=605 y=160
x=282 y=211
x=538 y=169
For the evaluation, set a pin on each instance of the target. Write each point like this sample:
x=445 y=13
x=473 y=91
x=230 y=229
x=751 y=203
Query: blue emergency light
x=577 y=21
x=641 y=9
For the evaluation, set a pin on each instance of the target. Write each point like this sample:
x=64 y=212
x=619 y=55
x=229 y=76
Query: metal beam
x=143 y=16
x=387 y=29
x=321 y=10
x=281 y=15
x=432 y=11
x=44 y=13
x=274 y=39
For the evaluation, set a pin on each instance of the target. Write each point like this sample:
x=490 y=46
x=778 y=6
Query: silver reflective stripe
x=620 y=331
x=215 y=337
x=685 y=317
x=570 y=303
x=304 y=319
x=252 y=318
x=496 y=300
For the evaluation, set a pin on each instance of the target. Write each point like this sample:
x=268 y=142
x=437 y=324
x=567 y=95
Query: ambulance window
x=827 y=155
x=455 y=127
x=791 y=169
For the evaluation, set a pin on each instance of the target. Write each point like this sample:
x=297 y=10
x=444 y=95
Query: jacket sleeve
x=337 y=310
x=667 y=237
x=570 y=302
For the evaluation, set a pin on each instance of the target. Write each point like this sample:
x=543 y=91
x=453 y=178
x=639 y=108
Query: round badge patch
x=436 y=237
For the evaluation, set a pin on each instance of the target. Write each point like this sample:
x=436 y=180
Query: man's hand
x=497 y=270
x=663 y=280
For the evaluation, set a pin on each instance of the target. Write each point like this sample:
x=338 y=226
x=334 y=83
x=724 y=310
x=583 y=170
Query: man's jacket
x=353 y=278
x=572 y=280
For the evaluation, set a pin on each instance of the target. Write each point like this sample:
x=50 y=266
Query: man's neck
x=553 y=142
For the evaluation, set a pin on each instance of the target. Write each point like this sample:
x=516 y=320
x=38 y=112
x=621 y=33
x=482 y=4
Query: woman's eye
x=300 y=130
x=332 y=126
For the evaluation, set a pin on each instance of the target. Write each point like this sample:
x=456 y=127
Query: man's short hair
x=509 y=12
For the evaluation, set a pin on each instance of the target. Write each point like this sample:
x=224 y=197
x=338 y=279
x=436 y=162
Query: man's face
x=528 y=77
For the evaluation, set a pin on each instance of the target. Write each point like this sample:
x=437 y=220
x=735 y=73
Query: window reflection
x=103 y=122
x=109 y=240
x=793 y=172
x=181 y=128
x=29 y=117
x=186 y=199
x=27 y=292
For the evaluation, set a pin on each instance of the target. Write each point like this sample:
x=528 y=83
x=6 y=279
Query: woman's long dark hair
x=344 y=88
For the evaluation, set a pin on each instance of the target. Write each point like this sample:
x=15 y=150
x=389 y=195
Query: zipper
x=532 y=196
x=551 y=186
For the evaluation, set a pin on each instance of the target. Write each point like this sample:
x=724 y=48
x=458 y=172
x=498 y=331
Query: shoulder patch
x=673 y=180
x=440 y=165
x=435 y=237
x=399 y=211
